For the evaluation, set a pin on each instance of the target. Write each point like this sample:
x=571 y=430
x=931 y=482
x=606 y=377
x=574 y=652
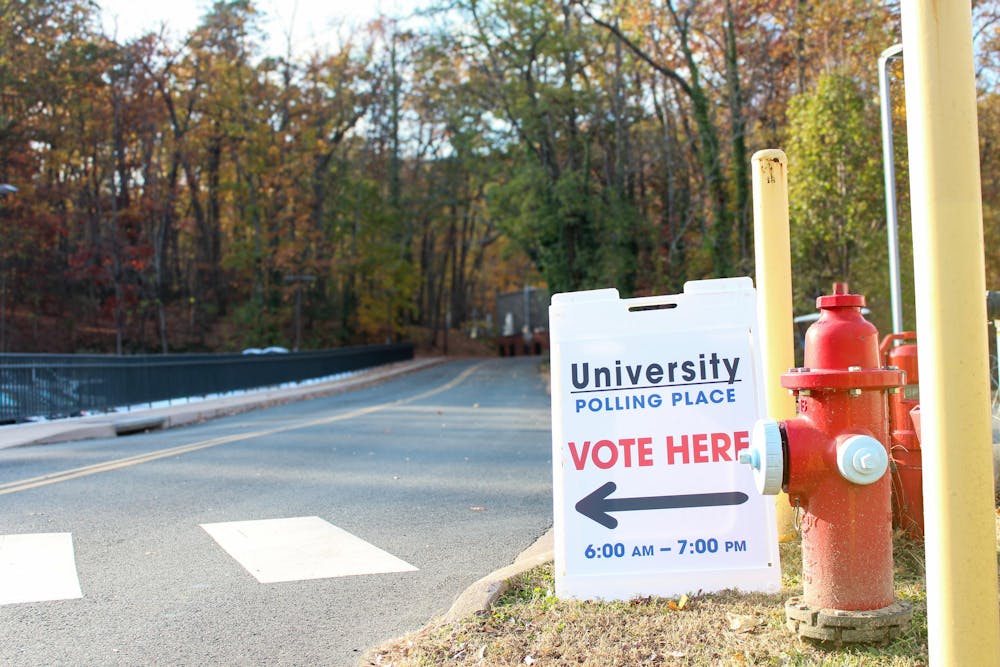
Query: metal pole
x=3 y=307
x=773 y=262
x=993 y=312
x=527 y=308
x=996 y=339
x=889 y=170
x=949 y=269
x=5 y=189
x=298 y=316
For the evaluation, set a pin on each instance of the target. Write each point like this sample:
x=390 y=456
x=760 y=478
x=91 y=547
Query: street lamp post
x=6 y=189
x=298 y=280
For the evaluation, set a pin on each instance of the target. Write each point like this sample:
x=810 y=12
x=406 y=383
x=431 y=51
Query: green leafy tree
x=835 y=191
x=549 y=78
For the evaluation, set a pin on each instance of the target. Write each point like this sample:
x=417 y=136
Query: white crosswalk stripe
x=295 y=549
x=38 y=567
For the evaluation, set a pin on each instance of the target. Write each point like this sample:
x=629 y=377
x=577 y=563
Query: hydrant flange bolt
x=862 y=459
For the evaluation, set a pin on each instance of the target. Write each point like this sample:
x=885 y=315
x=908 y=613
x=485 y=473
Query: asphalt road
x=448 y=470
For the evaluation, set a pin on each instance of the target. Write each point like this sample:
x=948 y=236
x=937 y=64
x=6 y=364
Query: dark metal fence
x=60 y=385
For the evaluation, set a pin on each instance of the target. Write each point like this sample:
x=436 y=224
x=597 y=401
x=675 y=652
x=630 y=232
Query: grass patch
x=530 y=626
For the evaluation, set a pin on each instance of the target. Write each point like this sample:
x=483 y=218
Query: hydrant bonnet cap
x=841 y=301
x=841 y=298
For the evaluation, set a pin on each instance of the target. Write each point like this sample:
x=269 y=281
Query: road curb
x=116 y=424
x=480 y=596
x=223 y=407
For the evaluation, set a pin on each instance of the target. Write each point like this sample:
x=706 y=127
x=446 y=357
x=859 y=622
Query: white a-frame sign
x=652 y=401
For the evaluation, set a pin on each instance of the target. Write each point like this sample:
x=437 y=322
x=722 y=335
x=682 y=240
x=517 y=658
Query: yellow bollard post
x=773 y=260
x=962 y=601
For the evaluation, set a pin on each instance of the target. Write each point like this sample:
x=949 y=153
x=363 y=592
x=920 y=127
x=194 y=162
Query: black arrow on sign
x=597 y=504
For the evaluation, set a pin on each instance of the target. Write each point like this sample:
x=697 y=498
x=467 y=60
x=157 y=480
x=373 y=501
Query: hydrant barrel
x=846 y=524
x=900 y=350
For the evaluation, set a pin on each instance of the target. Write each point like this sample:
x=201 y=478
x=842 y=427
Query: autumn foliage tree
x=212 y=192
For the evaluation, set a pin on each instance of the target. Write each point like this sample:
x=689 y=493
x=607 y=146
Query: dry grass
x=530 y=626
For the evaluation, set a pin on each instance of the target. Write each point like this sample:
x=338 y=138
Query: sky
x=311 y=21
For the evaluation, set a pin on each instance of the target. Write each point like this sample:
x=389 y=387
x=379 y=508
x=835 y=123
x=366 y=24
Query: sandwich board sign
x=652 y=400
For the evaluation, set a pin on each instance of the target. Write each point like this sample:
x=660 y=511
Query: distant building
x=523 y=317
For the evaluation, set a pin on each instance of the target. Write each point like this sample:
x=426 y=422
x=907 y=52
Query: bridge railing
x=60 y=385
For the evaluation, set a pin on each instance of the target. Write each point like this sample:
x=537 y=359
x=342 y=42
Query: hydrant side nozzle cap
x=766 y=456
x=862 y=459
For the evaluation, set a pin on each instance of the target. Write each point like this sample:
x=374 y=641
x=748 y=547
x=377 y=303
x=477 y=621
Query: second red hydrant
x=832 y=461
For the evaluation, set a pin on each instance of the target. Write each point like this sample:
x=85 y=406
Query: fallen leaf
x=679 y=605
x=741 y=623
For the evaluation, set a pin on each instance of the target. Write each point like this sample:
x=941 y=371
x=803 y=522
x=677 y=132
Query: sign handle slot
x=653 y=306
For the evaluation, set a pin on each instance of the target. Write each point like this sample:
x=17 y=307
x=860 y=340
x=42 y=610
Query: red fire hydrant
x=907 y=482
x=832 y=462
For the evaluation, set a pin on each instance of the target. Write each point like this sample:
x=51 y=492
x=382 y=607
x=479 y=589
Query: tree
x=416 y=168
x=835 y=191
x=674 y=41
x=541 y=77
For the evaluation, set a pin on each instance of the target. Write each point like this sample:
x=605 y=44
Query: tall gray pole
x=889 y=170
x=5 y=189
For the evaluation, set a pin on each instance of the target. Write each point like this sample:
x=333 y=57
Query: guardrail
x=62 y=385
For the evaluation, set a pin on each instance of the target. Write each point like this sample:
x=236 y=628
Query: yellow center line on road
x=117 y=464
